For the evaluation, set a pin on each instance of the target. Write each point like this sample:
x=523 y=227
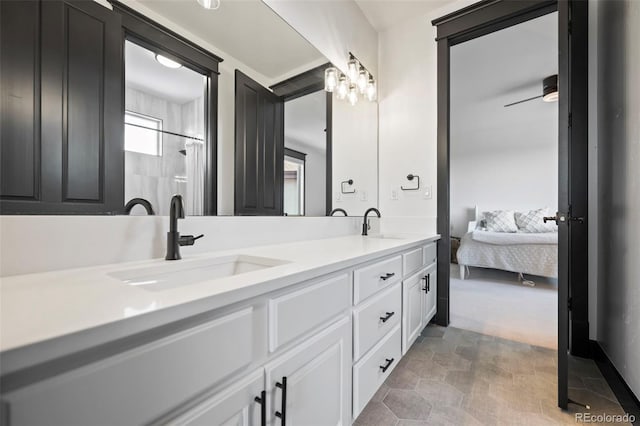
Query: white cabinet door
x=413 y=302
x=238 y=405
x=311 y=384
x=430 y=283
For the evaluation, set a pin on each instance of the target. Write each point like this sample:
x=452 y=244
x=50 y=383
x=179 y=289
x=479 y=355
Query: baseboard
x=627 y=399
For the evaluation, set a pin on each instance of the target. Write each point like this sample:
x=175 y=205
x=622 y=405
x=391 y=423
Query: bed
x=519 y=252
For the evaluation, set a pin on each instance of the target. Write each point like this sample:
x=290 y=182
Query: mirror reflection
x=163 y=132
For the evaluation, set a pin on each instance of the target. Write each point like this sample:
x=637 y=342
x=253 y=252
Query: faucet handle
x=188 y=240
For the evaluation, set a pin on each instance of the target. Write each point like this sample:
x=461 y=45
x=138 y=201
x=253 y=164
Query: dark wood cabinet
x=259 y=149
x=62 y=136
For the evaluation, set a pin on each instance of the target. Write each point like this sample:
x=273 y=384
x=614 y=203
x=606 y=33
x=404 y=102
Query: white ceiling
x=305 y=120
x=383 y=14
x=497 y=69
x=246 y=29
x=144 y=73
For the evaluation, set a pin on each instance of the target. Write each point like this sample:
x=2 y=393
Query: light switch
x=428 y=194
x=394 y=194
x=363 y=196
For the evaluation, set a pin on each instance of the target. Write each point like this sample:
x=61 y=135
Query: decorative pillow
x=533 y=222
x=500 y=221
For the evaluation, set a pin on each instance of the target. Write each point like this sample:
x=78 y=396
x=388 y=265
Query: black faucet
x=144 y=203
x=338 y=210
x=174 y=240
x=365 y=224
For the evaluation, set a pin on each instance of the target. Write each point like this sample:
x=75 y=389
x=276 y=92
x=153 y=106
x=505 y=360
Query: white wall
x=30 y=244
x=355 y=155
x=335 y=28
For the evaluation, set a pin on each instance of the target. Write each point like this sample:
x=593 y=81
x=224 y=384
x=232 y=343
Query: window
x=142 y=134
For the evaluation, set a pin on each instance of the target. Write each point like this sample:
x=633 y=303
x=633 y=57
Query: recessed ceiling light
x=169 y=63
x=209 y=4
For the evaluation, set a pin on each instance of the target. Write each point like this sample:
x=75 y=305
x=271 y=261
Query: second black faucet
x=365 y=224
x=174 y=240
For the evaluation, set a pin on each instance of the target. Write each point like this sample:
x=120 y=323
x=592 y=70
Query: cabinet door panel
x=318 y=377
x=413 y=309
x=233 y=406
x=20 y=77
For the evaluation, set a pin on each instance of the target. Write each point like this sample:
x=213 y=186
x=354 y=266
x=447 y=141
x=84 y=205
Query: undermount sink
x=182 y=273
x=386 y=237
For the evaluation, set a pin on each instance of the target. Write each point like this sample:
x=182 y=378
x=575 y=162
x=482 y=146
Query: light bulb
x=363 y=80
x=352 y=70
x=343 y=87
x=353 y=95
x=371 y=90
x=209 y=4
x=169 y=63
x=550 y=97
x=330 y=79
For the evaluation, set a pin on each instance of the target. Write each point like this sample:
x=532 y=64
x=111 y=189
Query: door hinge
x=570 y=120
x=570 y=304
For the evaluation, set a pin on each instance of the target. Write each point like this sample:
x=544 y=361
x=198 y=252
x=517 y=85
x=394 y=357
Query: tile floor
x=457 y=377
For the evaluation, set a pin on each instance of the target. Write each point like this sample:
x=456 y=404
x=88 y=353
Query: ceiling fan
x=549 y=91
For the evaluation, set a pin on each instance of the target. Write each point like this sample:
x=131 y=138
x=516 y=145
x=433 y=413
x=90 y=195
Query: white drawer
x=412 y=261
x=139 y=385
x=368 y=373
x=375 y=318
x=293 y=314
x=430 y=254
x=373 y=278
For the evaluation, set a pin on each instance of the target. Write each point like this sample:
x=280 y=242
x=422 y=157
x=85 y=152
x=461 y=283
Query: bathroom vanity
x=297 y=334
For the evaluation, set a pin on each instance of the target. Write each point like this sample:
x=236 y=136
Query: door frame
x=477 y=20
x=299 y=85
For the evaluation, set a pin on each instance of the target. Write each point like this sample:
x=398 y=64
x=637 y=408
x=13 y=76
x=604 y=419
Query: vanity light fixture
x=209 y=4
x=343 y=87
x=330 y=79
x=169 y=63
x=353 y=95
x=357 y=81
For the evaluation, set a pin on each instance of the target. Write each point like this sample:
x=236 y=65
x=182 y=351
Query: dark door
x=573 y=326
x=259 y=149
x=62 y=120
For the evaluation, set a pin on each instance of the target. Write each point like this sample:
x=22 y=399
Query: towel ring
x=410 y=178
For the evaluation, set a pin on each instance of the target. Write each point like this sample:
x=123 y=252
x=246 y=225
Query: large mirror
x=270 y=83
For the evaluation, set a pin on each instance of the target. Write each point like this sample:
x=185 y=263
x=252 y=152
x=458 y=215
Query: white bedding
x=512 y=238
x=535 y=259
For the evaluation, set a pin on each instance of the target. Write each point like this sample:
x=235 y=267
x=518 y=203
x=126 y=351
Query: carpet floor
x=496 y=303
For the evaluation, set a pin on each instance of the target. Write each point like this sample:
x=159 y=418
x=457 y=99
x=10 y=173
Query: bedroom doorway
x=504 y=181
x=486 y=17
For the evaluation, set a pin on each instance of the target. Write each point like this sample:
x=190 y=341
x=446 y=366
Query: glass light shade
x=209 y=4
x=343 y=87
x=352 y=70
x=353 y=95
x=169 y=63
x=330 y=79
x=363 y=80
x=372 y=91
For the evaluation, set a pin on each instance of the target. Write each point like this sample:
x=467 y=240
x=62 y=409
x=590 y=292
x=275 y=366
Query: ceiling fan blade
x=524 y=100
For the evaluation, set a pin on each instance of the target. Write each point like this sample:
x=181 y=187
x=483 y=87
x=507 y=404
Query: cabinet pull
x=428 y=283
x=282 y=414
x=387 y=316
x=387 y=276
x=262 y=400
x=427 y=280
x=387 y=365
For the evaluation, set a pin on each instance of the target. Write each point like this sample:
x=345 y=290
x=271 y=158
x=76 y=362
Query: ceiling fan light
x=550 y=88
x=209 y=4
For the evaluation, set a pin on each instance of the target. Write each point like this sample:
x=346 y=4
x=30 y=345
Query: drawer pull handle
x=387 y=276
x=387 y=316
x=282 y=414
x=387 y=365
x=262 y=400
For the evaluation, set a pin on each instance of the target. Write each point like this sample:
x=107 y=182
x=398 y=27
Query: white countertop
x=39 y=308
